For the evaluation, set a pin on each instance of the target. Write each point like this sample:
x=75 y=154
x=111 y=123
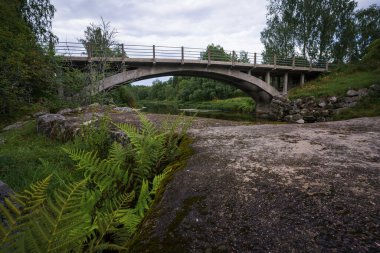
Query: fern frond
x=107 y=223
x=130 y=220
x=19 y=210
x=103 y=172
x=144 y=199
x=156 y=183
x=63 y=223
x=86 y=160
x=117 y=153
x=147 y=126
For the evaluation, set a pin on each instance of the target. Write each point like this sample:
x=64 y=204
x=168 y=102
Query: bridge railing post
x=154 y=54
x=274 y=61
x=254 y=59
x=294 y=62
x=182 y=55
x=327 y=66
x=122 y=57
x=310 y=65
x=89 y=53
x=233 y=57
x=209 y=56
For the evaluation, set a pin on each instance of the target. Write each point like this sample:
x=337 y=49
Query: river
x=215 y=114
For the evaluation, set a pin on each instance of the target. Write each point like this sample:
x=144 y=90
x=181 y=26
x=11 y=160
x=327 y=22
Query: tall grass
x=26 y=157
x=239 y=104
x=336 y=84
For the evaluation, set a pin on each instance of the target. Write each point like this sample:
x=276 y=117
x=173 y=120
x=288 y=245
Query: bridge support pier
x=302 y=79
x=263 y=101
x=285 y=87
x=267 y=77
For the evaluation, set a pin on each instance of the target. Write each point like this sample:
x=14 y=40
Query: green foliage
x=335 y=84
x=100 y=211
x=19 y=211
x=372 y=58
x=368 y=28
x=33 y=156
x=26 y=75
x=185 y=89
x=320 y=30
x=98 y=39
x=367 y=107
x=95 y=136
x=240 y=104
x=124 y=96
x=39 y=15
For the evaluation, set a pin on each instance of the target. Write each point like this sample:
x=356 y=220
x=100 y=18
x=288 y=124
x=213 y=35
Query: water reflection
x=216 y=114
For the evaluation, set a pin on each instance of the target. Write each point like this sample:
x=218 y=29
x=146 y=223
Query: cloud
x=193 y=23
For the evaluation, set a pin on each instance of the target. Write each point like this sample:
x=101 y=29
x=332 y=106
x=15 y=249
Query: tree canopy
x=319 y=29
x=26 y=74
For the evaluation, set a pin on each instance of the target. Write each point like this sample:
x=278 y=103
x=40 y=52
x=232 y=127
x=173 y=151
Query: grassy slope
x=337 y=84
x=20 y=155
x=238 y=104
x=241 y=104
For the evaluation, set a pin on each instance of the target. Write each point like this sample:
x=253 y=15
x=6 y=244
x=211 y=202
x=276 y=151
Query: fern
x=100 y=212
x=19 y=210
x=148 y=146
x=107 y=223
x=63 y=223
x=105 y=173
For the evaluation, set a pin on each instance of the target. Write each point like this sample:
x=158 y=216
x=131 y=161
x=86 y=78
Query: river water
x=216 y=114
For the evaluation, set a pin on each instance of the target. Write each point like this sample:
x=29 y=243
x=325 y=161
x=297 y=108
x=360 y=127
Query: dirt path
x=274 y=188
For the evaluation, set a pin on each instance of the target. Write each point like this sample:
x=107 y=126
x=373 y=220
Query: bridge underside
x=256 y=88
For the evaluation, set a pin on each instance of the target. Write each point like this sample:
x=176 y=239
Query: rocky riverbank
x=273 y=188
x=310 y=109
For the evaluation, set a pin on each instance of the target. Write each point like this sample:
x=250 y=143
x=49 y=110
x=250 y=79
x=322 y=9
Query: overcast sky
x=233 y=24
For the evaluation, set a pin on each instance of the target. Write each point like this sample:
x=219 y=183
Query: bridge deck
x=135 y=62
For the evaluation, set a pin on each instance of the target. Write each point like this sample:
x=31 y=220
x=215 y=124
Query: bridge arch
x=256 y=88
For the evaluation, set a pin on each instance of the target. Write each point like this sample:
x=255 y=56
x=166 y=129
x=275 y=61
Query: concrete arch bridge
x=261 y=78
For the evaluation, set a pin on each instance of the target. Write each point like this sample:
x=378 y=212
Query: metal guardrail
x=76 y=49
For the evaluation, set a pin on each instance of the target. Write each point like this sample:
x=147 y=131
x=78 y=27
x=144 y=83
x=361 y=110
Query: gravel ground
x=272 y=188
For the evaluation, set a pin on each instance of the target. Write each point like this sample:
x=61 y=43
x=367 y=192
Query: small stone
x=304 y=112
x=37 y=114
x=352 y=104
x=295 y=111
x=309 y=118
x=375 y=88
x=300 y=121
x=77 y=110
x=339 y=110
x=322 y=104
x=5 y=191
x=15 y=125
x=2 y=141
x=363 y=92
x=122 y=109
x=352 y=93
x=351 y=99
x=65 y=111
x=332 y=99
x=94 y=105
x=325 y=113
